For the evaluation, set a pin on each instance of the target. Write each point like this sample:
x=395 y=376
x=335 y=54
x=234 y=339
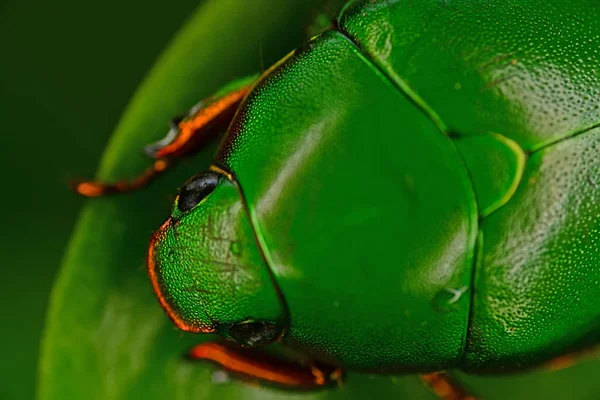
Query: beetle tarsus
x=98 y=189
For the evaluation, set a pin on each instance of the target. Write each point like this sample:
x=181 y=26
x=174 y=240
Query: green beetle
x=414 y=190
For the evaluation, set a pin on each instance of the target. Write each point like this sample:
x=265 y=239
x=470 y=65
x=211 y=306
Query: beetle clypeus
x=413 y=190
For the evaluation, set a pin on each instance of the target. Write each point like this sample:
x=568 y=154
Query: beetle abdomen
x=527 y=70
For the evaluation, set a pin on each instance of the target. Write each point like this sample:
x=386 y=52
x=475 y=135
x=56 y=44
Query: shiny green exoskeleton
x=415 y=189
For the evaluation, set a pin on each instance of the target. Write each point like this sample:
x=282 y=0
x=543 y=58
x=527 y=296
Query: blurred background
x=68 y=71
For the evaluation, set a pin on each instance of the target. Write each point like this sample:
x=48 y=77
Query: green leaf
x=106 y=335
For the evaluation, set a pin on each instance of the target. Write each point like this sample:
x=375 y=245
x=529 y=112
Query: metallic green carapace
x=414 y=190
x=213 y=262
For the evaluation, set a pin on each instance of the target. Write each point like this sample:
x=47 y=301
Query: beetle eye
x=196 y=189
x=256 y=333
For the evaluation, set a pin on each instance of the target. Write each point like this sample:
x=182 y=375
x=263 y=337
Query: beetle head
x=207 y=269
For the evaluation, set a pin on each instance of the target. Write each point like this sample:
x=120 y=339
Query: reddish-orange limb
x=570 y=359
x=562 y=362
x=97 y=189
x=445 y=387
x=188 y=135
x=254 y=365
x=194 y=130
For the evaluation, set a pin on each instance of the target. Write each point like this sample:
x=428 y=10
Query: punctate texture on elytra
x=420 y=184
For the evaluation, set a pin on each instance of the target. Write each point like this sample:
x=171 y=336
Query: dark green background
x=68 y=69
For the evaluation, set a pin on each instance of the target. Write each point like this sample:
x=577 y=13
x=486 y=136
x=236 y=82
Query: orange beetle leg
x=98 y=189
x=570 y=359
x=256 y=366
x=187 y=135
x=445 y=387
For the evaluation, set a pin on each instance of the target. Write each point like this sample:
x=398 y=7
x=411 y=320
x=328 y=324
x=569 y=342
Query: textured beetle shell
x=528 y=288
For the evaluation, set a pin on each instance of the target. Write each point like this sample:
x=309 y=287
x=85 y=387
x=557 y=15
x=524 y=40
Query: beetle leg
x=98 y=189
x=188 y=134
x=570 y=359
x=256 y=366
x=204 y=122
x=445 y=387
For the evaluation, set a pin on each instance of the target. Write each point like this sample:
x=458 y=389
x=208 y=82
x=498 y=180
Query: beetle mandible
x=411 y=191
